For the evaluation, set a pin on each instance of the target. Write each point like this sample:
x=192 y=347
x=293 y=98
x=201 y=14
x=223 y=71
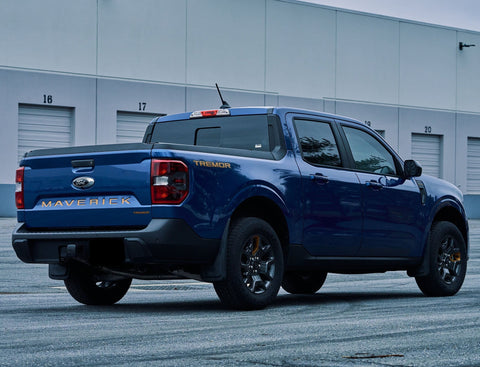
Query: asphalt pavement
x=354 y=320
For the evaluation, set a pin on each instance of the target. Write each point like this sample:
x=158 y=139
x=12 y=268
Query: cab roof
x=238 y=111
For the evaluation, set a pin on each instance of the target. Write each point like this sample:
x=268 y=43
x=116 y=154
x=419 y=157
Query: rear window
x=252 y=132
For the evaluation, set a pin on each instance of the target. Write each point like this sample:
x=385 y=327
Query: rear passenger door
x=391 y=205
x=331 y=196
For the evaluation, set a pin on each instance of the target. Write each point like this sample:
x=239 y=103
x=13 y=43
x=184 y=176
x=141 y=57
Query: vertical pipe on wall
x=96 y=82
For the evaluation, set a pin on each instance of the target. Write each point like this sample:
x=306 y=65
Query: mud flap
x=217 y=271
x=424 y=268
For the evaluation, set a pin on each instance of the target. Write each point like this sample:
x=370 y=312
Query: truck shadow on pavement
x=211 y=305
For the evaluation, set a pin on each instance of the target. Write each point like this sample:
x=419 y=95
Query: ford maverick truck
x=249 y=199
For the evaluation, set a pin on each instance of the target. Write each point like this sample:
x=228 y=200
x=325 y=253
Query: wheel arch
x=266 y=209
x=450 y=213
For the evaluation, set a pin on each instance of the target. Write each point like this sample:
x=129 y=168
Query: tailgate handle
x=83 y=163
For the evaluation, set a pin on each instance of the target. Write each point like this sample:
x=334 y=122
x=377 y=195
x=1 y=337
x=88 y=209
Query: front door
x=392 y=222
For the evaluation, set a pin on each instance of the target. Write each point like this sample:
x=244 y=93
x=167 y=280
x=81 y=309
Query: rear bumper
x=163 y=241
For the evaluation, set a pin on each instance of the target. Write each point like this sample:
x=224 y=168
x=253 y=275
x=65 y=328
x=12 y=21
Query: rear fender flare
x=217 y=270
x=222 y=215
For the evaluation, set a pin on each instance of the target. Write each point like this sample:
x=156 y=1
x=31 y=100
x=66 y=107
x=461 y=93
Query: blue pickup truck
x=249 y=199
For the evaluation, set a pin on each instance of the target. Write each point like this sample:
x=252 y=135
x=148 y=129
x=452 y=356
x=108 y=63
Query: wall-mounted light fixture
x=461 y=45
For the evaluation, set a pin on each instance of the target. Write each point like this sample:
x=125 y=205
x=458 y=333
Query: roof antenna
x=224 y=103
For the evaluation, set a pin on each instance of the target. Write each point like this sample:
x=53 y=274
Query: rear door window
x=317 y=143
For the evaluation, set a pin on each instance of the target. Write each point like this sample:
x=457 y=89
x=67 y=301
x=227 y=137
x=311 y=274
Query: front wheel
x=254 y=265
x=88 y=289
x=448 y=261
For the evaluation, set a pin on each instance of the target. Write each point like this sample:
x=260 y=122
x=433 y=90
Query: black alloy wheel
x=257 y=264
x=448 y=261
x=254 y=268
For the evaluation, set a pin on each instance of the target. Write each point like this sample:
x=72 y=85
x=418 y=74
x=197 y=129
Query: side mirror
x=411 y=168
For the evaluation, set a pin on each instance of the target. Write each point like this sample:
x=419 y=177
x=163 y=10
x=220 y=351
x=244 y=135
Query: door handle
x=319 y=178
x=374 y=185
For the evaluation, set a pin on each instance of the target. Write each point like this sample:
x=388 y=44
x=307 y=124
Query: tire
x=84 y=287
x=254 y=262
x=303 y=282
x=448 y=261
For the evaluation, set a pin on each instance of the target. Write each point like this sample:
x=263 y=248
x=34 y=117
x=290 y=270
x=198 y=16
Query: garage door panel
x=131 y=126
x=47 y=119
x=47 y=111
x=31 y=138
x=46 y=134
x=427 y=150
x=45 y=128
x=59 y=141
x=473 y=165
x=42 y=127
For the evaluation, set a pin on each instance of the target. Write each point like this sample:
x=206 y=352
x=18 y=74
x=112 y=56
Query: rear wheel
x=90 y=289
x=303 y=282
x=254 y=265
x=448 y=261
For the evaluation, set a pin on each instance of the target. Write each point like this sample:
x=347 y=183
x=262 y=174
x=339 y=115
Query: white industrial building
x=97 y=71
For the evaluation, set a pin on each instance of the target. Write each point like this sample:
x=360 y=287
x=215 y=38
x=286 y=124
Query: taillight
x=19 y=202
x=169 y=181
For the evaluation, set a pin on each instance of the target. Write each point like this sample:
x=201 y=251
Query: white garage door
x=44 y=127
x=473 y=165
x=131 y=126
x=427 y=150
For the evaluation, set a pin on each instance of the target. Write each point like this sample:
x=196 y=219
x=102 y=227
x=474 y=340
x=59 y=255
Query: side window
x=368 y=153
x=317 y=143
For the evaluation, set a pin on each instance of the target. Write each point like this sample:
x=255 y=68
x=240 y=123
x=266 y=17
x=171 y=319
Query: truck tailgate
x=88 y=187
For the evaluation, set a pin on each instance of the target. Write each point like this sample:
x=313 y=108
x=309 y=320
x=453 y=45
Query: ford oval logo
x=83 y=182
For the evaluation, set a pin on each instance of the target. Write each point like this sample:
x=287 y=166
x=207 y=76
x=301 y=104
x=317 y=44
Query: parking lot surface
x=354 y=320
